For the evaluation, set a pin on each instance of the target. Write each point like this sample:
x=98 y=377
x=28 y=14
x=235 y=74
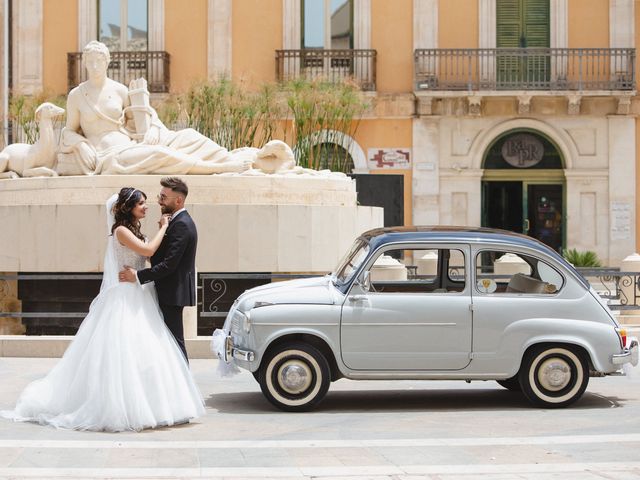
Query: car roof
x=445 y=233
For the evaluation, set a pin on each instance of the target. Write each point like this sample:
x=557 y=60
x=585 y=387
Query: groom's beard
x=167 y=210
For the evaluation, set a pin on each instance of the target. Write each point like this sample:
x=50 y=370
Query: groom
x=173 y=265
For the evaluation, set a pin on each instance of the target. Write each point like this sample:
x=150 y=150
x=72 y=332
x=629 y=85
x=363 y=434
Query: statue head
x=98 y=48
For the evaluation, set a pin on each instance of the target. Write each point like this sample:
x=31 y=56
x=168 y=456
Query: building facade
x=517 y=114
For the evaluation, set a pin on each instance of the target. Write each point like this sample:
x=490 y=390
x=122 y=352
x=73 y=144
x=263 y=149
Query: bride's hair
x=127 y=199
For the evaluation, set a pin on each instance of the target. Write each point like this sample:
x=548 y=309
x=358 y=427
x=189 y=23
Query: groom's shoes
x=181 y=422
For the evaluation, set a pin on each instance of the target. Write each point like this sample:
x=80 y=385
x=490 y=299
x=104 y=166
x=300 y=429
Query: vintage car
x=433 y=303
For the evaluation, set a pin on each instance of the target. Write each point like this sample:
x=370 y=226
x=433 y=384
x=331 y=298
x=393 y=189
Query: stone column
x=622 y=187
x=426 y=161
x=219 y=38
x=587 y=210
x=27 y=44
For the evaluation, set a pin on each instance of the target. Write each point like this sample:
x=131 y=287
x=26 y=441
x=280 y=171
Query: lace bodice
x=126 y=256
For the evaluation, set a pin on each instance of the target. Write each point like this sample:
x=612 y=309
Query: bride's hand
x=164 y=221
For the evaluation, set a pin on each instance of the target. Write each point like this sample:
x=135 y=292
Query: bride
x=123 y=370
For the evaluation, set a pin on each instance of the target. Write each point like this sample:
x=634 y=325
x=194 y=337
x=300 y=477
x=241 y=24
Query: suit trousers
x=173 y=319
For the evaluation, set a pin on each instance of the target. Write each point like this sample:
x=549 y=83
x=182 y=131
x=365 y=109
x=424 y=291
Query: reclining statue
x=111 y=129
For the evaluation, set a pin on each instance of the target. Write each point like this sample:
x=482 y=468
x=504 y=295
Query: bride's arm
x=128 y=239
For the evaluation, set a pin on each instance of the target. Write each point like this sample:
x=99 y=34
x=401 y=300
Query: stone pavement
x=404 y=430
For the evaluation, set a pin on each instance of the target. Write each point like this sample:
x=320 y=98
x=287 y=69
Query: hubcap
x=295 y=376
x=554 y=374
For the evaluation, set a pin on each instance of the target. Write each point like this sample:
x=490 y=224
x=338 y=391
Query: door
x=502 y=206
x=522 y=24
x=415 y=316
x=535 y=209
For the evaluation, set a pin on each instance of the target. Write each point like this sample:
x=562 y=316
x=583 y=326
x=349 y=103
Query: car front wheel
x=554 y=376
x=294 y=377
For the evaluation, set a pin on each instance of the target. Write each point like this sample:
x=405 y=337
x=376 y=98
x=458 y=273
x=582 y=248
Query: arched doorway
x=523 y=187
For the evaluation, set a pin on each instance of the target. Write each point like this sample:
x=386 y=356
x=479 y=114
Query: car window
x=500 y=271
x=351 y=261
x=419 y=270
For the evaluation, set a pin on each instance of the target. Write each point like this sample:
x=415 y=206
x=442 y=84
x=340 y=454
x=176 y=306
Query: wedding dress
x=123 y=370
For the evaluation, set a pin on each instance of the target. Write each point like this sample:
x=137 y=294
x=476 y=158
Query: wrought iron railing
x=573 y=69
x=621 y=290
x=358 y=66
x=126 y=66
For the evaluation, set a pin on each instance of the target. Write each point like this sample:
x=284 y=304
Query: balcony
x=335 y=66
x=517 y=69
x=124 y=67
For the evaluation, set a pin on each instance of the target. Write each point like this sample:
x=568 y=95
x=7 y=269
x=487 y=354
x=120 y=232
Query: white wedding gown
x=122 y=371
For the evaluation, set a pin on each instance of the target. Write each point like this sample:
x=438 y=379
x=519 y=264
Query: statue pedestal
x=264 y=223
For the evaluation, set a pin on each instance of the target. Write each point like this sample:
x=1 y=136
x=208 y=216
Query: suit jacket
x=173 y=266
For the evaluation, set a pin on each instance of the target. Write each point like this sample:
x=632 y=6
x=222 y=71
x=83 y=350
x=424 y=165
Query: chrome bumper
x=630 y=355
x=230 y=351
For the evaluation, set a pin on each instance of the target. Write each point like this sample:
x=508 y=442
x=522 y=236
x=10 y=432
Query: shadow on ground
x=425 y=400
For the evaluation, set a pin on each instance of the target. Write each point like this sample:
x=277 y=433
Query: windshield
x=351 y=261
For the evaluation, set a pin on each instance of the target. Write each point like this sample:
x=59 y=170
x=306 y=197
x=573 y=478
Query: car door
x=416 y=315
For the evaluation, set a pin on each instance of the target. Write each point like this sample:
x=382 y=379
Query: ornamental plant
x=577 y=258
x=318 y=118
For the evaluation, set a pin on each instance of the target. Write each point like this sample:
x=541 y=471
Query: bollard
x=388 y=268
x=428 y=264
x=510 y=264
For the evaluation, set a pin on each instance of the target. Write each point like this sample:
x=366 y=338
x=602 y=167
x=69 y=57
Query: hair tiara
x=130 y=195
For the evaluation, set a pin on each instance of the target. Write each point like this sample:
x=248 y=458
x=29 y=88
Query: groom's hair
x=175 y=184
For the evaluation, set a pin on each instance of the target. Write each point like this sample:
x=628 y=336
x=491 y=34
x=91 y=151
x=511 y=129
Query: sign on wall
x=620 y=221
x=391 y=158
x=522 y=150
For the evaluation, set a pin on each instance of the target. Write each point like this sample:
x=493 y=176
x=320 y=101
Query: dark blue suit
x=173 y=269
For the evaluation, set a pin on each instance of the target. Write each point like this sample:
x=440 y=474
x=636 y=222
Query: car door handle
x=357 y=298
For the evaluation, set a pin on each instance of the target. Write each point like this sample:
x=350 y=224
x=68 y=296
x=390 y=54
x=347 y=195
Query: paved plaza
x=376 y=430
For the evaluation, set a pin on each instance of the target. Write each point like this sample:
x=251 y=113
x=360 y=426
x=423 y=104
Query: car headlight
x=240 y=322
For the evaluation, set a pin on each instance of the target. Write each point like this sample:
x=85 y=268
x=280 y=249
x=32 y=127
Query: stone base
x=55 y=346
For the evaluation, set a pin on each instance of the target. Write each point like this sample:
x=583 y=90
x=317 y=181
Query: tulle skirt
x=122 y=371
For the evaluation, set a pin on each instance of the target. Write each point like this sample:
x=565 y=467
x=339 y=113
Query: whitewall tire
x=554 y=376
x=294 y=377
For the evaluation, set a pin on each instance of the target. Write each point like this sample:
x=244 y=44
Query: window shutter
x=508 y=23
x=536 y=22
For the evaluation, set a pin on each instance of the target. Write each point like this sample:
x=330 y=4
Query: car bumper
x=230 y=351
x=630 y=355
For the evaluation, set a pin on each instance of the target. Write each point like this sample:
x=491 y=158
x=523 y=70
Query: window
x=510 y=272
x=327 y=24
x=419 y=270
x=123 y=24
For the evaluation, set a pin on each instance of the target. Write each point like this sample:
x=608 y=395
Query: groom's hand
x=128 y=275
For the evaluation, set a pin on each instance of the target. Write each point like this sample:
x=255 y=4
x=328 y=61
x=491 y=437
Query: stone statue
x=39 y=159
x=113 y=130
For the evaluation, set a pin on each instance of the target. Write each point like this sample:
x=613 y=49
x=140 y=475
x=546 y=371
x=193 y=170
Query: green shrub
x=317 y=118
x=582 y=259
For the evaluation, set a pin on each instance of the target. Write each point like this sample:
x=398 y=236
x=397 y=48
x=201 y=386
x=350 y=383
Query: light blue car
x=432 y=303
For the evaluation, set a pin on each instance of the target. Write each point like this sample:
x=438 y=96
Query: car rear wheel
x=512 y=384
x=554 y=376
x=294 y=377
